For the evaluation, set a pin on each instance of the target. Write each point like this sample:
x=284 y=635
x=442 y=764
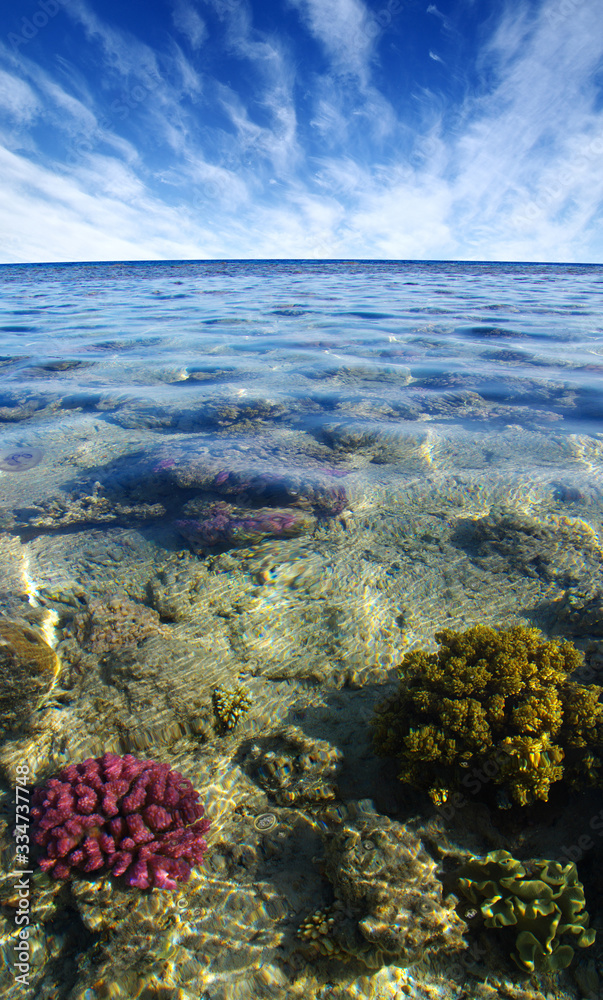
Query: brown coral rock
x=116 y=623
x=28 y=669
x=388 y=906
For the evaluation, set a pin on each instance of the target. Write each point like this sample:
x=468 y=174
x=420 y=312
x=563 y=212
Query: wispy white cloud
x=341 y=28
x=17 y=99
x=56 y=218
x=527 y=130
x=125 y=55
x=512 y=172
x=187 y=20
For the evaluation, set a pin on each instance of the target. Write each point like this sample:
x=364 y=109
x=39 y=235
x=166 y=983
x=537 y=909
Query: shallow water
x=281 y=475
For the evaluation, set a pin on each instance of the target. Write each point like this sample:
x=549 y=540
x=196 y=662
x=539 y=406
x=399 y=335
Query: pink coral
x=130 y=817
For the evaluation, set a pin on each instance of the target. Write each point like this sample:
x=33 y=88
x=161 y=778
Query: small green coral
x=541 y=902
x=230 y=704
x=501 y=699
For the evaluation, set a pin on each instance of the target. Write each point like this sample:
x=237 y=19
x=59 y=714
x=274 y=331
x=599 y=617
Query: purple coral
x=131 y=817
x=292 y=489
x=229 y=526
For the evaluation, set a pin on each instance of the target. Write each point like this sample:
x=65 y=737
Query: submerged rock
x=28 y=670
x=253 y=484
x=293 y=768
x=561 y=549
x=92 y=508
x=389 y=907
x=115 y=623
x=221 y=524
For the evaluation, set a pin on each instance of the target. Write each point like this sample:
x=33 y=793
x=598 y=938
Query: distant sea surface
x=459 y=344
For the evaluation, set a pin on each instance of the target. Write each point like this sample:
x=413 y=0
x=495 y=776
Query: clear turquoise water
x=525 y=335
x=429 y=394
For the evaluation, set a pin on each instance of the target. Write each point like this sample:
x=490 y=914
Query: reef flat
x=253 y=665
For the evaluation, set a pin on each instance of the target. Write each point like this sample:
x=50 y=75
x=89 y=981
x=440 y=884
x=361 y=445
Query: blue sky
x=165 y=129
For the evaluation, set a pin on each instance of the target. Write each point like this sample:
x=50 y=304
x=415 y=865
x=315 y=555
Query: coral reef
x=540 y=902
x=120 y=815
x=28 y=669
x=561 y=549
x=388 y=907
x=580 y=612
x=115 y=623
x=295 y=489
x=498 y=700
x=87 y=508
x=293 y=768
x=230 y=705
x=221 y=524
x=317 y=929
x=302 y=488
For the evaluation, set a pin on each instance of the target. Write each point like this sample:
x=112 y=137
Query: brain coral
x=122 y=815
x=498 y=700
x=541 y=902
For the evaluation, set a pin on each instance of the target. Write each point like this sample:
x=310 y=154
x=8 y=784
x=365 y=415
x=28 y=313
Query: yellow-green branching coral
x=230 y=705
x=540 y=903
x=496 y=699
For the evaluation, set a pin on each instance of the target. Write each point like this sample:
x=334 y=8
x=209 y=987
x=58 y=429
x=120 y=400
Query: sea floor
x=303 y=634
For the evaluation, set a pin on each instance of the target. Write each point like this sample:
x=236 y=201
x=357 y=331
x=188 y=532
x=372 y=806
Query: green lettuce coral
x=496 y=704
x=540 y=902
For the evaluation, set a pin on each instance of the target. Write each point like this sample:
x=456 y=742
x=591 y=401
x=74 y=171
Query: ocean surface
x=233 y=494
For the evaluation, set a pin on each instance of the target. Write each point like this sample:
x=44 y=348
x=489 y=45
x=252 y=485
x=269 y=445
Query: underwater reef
x=122 y=816
x=388 y=907
x=28 y=670
x=541 y=903
x=254 y=486
x=221 y=524
x=498 y=700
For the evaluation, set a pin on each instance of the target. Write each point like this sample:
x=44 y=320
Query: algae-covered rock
x=580 y=612
x=115 y=623
x=388 y=907
x=562 y=549
x=294 y=768
x=88 y=508
x=499 y=700
x=541 y=903
x=28 y=670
